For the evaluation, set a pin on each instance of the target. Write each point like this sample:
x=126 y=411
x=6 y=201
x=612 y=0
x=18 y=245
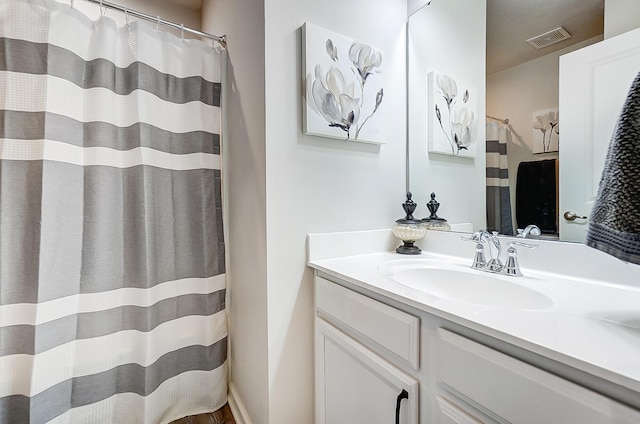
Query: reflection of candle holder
x=409 y=229
x=433 y=222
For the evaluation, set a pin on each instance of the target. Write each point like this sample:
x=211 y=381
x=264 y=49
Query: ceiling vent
x=549 y=38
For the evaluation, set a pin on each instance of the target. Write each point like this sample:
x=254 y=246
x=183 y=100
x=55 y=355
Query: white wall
x=316 y=184
x=516 y=93
x=244 y=176
x=296 y=184
x=447 y=37
x=620 y=16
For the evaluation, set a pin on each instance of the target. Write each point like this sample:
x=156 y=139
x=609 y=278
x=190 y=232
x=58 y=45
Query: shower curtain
x=112 y=271
x=498 y=196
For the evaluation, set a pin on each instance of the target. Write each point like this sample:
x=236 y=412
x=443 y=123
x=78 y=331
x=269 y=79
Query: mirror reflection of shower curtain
x=498 y=195
x=112 y=263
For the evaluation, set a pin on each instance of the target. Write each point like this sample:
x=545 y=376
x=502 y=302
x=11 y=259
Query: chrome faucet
x=495 y=249
x=494 y=264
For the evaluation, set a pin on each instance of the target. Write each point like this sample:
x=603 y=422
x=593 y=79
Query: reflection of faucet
x=530 y=229
x=494 y=264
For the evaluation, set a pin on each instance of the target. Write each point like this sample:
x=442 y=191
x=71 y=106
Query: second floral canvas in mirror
x=343 y=96
x=452 y=116
x=546 y=130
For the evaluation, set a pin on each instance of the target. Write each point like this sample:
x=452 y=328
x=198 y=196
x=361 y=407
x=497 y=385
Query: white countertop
x=574 y=329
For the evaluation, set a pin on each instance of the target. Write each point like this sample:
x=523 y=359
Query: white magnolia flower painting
x=452 y=116
x=343 y=96
x=546 y=130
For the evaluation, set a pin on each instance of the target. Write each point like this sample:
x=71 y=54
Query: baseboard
x=238 y=410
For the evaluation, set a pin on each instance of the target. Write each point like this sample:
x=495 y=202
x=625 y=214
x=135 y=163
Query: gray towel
x=614 y=227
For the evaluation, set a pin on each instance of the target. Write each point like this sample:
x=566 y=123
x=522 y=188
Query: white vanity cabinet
x=357 y=342
x=450 y=413
x=368 y=352
x=506 y=389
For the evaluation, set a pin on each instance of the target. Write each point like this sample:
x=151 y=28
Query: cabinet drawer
x=512 y=390
x=448 y=413
x=382 y=328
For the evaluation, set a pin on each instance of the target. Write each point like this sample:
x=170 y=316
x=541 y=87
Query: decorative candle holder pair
x=410 y=230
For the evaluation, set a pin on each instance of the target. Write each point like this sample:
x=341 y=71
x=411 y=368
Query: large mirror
x=482 y=46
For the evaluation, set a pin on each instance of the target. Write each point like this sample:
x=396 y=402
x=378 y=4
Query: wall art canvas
x=343 y=96
x=546 y=130
x=452 y=116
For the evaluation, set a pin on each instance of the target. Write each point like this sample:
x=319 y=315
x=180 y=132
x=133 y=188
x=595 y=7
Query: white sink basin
x=458 y=283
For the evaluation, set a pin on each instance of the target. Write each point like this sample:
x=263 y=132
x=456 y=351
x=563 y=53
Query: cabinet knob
x=403 y=395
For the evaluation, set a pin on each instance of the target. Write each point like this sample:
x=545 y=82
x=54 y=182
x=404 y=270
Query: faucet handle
x=479 y=260
x=475 y=237
x=512 y=267
x=522 y=244
x=478 y=236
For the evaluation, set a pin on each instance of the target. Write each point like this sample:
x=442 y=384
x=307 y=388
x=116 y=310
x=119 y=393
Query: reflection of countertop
x=580 y=329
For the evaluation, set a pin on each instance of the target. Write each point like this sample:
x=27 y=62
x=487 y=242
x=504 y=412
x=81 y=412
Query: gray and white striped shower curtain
x=112 y=271
x=498 y=194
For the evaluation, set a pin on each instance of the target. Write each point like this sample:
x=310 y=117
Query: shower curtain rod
x=222 y=39
x=504 y=121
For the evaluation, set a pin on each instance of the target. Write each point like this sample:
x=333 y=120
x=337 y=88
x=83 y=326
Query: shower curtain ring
x=126 y=16
x=101 y=8
x=182 y=31
x=71 y=3
x=158 y=24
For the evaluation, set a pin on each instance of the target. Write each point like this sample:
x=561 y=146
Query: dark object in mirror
x=536 y=195
x=433 y=222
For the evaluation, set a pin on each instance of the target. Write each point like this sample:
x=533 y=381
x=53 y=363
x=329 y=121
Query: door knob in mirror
x=572 y=216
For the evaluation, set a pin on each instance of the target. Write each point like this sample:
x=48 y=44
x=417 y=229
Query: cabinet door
x=356 y=386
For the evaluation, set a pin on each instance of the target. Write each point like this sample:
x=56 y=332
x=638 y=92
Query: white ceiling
x=511 y=22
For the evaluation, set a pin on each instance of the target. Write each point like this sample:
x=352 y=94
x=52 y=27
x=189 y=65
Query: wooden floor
x=221 y=416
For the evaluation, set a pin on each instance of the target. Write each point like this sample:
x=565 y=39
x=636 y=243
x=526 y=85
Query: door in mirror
x=594 y=83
